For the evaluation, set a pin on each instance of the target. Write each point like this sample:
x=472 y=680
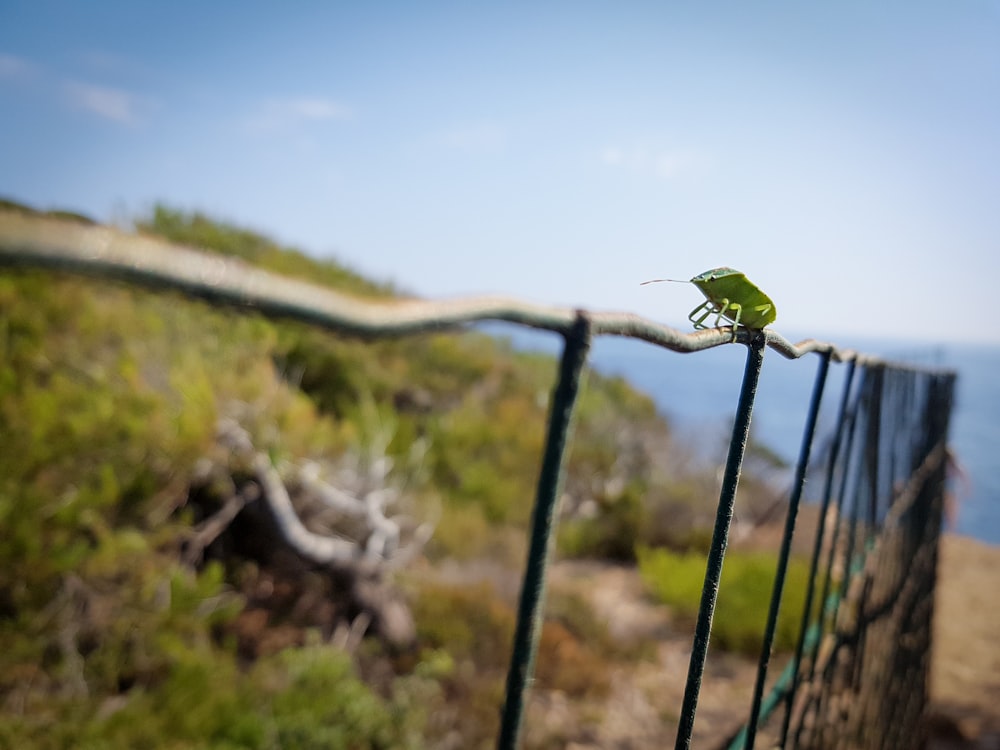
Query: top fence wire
x=858 y=677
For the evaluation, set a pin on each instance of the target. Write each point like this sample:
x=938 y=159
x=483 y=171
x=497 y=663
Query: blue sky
x=846 y=155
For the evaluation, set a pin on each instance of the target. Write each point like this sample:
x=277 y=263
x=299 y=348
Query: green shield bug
x=729 y=294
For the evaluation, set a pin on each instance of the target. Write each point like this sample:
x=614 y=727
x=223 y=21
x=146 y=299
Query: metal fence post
x=531 y=608
x=720 y=539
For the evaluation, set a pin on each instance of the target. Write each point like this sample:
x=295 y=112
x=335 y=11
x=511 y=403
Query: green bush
x=304 y=699
x=200 y=231
x=475 y=628
x=744 y=594
x=611 y=533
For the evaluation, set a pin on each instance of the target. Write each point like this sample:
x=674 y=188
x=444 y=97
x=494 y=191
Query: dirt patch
x=643 y=706
x=641 y=710
x=965 y=663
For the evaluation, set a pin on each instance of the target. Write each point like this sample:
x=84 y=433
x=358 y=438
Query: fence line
x=27 y=240
x=878 y=449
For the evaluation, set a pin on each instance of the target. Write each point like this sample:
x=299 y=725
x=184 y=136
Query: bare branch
x=315 y=547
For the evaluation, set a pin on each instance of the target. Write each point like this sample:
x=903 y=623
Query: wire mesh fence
x=858 y=677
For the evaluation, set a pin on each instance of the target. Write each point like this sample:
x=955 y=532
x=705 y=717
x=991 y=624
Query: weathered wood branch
x=318 y=548
x=381 y=534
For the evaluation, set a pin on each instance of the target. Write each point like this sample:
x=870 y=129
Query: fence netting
x=859 y=677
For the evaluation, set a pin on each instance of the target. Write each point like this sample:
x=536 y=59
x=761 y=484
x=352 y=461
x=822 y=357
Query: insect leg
x=727 y=305
x=739 y=312
x=736 y=321
x=722 y=309
x=709 y=307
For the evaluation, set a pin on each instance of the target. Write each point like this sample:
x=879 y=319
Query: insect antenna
x=657 y=281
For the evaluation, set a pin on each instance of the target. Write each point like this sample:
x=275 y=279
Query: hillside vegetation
x=144 y=601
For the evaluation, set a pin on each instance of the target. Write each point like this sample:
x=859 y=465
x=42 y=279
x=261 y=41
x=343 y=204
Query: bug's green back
x=725 y=283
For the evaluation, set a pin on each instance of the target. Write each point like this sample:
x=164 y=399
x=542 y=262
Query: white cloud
x=476 y=137
x=282 y=113
x=317 y=109
x=12 y=67
x=664 y=163
x=101 y=61
x=112 y=104
x=613 y=156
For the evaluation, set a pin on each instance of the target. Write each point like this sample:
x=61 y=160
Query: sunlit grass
x=744 y=594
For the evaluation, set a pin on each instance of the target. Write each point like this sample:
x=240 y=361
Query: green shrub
x=475 y=628
x=611 y=533
x=299 y=699
x=196 y=229
x=744 y=594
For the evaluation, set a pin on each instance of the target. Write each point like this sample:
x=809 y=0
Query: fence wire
x=858 y=677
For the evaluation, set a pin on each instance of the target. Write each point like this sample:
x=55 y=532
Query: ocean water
x=698 y=394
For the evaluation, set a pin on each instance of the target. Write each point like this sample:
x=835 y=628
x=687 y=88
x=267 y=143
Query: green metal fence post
x=530 y=610
x=720 y=539
x=786 y=548
x=831 y=468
